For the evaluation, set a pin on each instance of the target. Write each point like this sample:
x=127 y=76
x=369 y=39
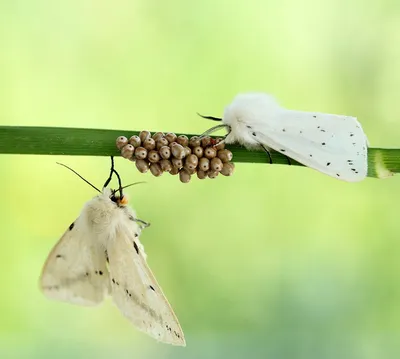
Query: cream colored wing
x=137 y=293
x=75 y=270
x=332 y=144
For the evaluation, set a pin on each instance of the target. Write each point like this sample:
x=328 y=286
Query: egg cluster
x=159 y=153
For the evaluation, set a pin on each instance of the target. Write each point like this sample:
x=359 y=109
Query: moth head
x=119 y=200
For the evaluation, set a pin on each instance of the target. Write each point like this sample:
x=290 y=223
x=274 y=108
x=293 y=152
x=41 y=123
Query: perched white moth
x=100 y=254
x=332 y=144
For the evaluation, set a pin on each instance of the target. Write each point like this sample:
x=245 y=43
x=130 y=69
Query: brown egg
x=191 y=162
x=153 y=156
x=225 y=155
x=161 y=142
x=219 y=145
x=127 y=151
x=165 y=152
x=155 y=169
x=205 y=141
x=170 y=137
x=198 y=151
x=194 y=141
x=227 y=169
x=174 y=170
x=201 y=174
x=149 y=144
x=212 y=174
x=144 y=135
x=121 y=142
x=182 y=140
x=135 y=141
x=204 y=164
x=190 y=170
x=157 y=136
x=142 y=165
x=216 y=164
x=184 y=176
x=210 y=152
x=166 y=165
x=140 y=153
x=177 y=162
x=177 y=150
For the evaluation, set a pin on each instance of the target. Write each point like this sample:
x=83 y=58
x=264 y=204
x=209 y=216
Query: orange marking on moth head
x=123 y=201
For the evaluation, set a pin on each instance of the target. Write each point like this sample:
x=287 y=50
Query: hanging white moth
x=332 y=144
x=99 y=254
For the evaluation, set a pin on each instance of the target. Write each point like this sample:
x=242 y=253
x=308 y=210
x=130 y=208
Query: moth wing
x=332 y=144
x=136 y=292
x=75 y=270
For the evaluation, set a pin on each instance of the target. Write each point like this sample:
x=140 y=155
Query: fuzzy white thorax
x=246 y=111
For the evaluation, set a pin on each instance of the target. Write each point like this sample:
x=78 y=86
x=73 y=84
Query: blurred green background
x=274 y=262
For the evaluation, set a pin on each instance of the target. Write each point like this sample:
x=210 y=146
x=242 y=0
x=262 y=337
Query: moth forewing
x=136 y=292
x=75 y=270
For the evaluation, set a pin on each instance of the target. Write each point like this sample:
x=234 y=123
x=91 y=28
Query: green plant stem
x=382 y=162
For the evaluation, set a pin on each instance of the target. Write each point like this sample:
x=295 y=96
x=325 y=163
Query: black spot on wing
x=59 y=256
x=136 y=247
x=71 y=226
x=152 y=288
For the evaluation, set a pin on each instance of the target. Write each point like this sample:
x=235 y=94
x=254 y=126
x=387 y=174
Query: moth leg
x=267 y=152
x=145 y=224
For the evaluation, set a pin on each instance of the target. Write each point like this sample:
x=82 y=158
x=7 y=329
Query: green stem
x=382 y=162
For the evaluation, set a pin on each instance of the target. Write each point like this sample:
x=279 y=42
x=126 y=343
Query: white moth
x=332 y=144
x=100 y=254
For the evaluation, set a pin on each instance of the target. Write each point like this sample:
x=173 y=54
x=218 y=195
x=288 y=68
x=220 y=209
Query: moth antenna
x=111 y=173
x=214 y=129
x=62 y=164
x=210 y=117
x=128 y=185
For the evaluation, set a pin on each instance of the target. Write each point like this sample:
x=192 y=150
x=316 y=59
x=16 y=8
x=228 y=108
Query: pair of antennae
x=112 y=170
